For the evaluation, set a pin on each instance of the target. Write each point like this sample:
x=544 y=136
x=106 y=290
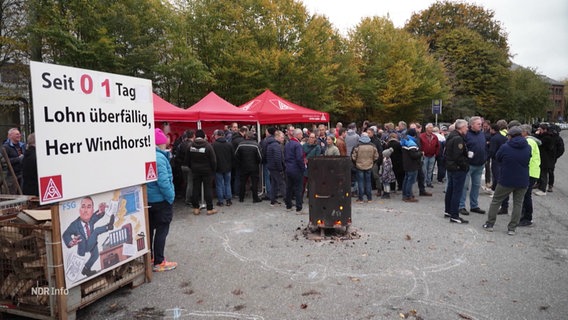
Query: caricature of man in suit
x=83 y=233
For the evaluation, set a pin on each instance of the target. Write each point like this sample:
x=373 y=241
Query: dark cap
x=514 y=131
x=200 y=134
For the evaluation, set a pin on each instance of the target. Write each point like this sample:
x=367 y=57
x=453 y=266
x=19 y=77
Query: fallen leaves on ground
x=466 y=317
x=311 y=292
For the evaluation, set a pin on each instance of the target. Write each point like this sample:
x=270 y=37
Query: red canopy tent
x=272 y=109
x=165 y=111
x=177 y=119
x=214 y=108
x=214 y=112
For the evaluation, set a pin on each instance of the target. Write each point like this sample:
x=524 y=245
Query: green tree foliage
x=13 y=50
x=444 y=16
x=475 y=53
x=248 y=45
x=253 y=45
x=181 y=77
x=116 y=36
x=12 y=23
x=529 y=95
x=398 y=78
x=478 y=72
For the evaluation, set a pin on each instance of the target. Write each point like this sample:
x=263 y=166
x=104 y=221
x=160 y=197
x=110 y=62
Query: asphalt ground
x=253 y=261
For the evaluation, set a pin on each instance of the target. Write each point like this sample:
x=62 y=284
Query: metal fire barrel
x=329 y=191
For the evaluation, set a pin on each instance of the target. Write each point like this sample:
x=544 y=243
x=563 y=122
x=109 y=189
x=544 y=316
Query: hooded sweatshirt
x=514 y=157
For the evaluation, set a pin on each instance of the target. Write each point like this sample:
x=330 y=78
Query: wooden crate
x=32 y=280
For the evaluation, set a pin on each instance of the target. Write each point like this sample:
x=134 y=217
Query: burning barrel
x=329 y=191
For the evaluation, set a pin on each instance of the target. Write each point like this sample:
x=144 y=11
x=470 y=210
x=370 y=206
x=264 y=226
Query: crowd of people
x=386 y=159
x=517 y=159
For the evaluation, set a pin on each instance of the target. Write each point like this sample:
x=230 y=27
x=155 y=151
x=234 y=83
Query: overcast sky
x=537 y=29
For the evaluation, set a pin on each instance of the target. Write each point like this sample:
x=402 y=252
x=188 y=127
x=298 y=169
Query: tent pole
x=262 y=184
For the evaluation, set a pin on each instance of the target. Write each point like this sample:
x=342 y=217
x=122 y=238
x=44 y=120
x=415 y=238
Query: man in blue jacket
x=294 y=161
x=15 y=150
x=477 y=154
x=514 y=157
x=275 y=164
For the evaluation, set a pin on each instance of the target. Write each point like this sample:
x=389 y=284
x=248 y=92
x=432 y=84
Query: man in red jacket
x=430 y=146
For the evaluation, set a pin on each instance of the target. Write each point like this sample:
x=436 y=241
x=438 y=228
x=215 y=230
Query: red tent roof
x=214 y=108
x=272 y=109
x=165 y=111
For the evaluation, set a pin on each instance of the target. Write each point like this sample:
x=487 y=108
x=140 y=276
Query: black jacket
x=236 y=140
x=201 y=157
x=29 y=168
x=225 y=155
x=456 y=153
x=411 y=158
x=248 y=156
x=274 y=156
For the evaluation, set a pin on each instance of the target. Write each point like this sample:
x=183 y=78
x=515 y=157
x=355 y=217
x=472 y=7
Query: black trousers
x=204 y=179
x=160 y=215
x=254 y=177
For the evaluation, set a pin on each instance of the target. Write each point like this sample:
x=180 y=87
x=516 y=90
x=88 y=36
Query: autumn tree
x=444 y=16
x=398 y=78
x=474 y=50
x=529 y=96
x=112 y=36
x=478 y=72
x=252 y=45
x=14 y=73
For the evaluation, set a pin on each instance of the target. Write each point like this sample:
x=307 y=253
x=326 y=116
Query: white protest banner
x=94 y=131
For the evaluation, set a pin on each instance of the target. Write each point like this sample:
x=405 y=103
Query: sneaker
x=488 y=227
x=212 y=211
x=511 y=232
x=477 y=210
x=386 y=196
x=425 y=194
x=464 y=212
x=549 y=189
x=503 y=211
x=229 y=203
x=220 y=204
x=299 y=212
x=458 y=220
x=256 y=200
x=540 y=192
x=369 y=201
x=430 y=186
x=359 y=201
x=288 y=208
x=410 y=200
x=164 y=266
x=447 y=215
x=196 y=211
x=525 y=223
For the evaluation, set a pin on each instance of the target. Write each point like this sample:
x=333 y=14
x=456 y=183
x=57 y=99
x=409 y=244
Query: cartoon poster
x=101 y=232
